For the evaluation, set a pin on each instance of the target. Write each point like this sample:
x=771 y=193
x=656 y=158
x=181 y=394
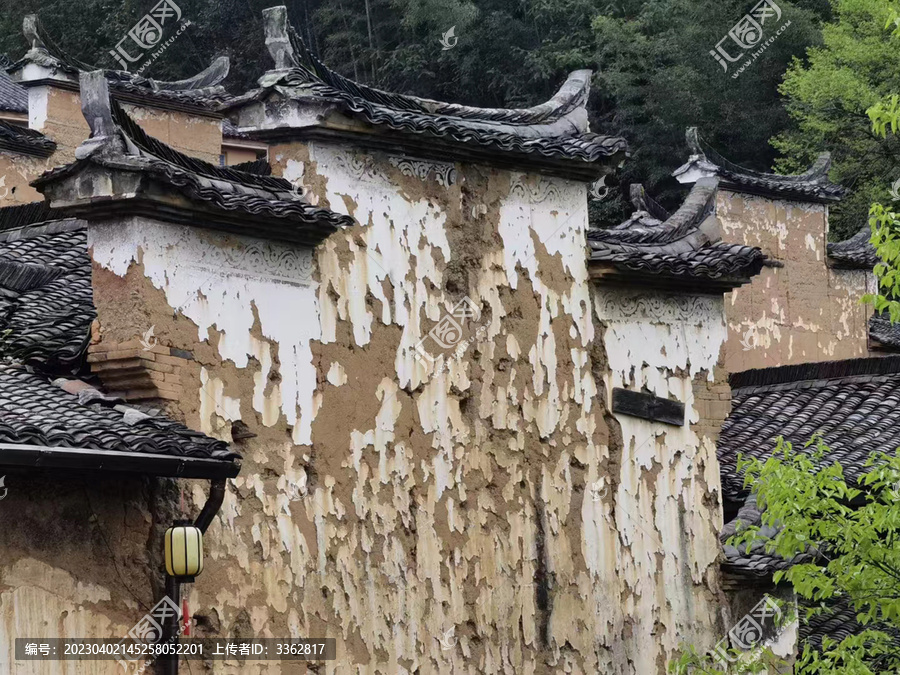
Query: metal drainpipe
x=173 y=586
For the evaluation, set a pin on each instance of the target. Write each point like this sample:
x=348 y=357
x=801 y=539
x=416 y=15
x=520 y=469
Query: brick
x=159 y=367
x=123 y=365
x=170 y=360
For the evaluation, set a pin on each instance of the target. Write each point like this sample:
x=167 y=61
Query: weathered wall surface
x=16 y=171
x=802 y=312
x=664 y=479
x=56 y=113
x=449 y=514
x=74 y=562
x=195 y=135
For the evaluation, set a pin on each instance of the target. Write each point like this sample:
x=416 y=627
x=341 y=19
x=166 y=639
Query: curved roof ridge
x=856 y=252
x=555 y=133
x=234 y=201
x=697 y=206
x=687 y=247
x=572 y=94
x=817 y=172
x=159 y=150
x=44 y=51
x=811 y=185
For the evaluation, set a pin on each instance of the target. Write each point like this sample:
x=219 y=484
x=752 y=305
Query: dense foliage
x=858 y=66
x=853 y=529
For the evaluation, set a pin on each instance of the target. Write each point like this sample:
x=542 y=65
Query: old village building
x=450 y=426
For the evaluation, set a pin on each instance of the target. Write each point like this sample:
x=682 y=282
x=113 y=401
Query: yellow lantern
x=184 y=551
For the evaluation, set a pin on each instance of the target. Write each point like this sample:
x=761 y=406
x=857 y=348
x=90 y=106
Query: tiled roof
x=884 y=334
x=36 y=411
x=686 y=245
x=752 y=560
x=280 y=212
x=853 y=403
x=837 y=621
x=13 y=97
x=856 y=252
x=25 y=141
x=46 y=302
x=813 y=185
x=46 y=311
x=557 y=128
x=201 y=92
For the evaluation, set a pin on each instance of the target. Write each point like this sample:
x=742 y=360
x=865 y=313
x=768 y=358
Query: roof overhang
x=272 y=117
x=101 y=191
x=13 y=455
x=608 y=274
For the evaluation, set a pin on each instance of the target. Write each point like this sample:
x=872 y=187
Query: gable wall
x=804 y=311
x=56 y=113
x=435 y=515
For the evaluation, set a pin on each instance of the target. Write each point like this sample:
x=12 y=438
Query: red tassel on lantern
x=186 y=617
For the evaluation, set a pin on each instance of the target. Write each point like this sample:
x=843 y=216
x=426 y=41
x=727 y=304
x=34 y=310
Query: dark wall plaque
x=647 y=406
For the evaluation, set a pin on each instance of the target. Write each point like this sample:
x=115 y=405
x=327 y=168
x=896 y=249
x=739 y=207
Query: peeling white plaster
x=226 y=295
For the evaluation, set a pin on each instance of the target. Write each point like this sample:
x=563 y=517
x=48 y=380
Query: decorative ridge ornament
x=44 y=51
x=811 y=185
x=554 y=133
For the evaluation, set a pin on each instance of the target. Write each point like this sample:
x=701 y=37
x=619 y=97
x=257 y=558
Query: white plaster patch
x=273 y=278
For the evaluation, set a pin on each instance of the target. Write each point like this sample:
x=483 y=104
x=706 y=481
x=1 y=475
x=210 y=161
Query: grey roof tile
x=24 y=141
x=813 y=185
x=851 y=403
x=683 y=245
x=34 y=411
x=13 y=97
x=554 y=129
x=46 y=300
x=854 y=253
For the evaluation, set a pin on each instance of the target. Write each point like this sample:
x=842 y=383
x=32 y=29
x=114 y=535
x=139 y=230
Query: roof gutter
x=43 y=457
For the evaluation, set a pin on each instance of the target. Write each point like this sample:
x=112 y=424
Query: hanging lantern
x=184 y=551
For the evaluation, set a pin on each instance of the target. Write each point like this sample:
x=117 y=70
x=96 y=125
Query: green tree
x=827 y=99
x=654 y=62
x=853 y=529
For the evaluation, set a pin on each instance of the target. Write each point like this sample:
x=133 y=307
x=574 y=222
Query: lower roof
x=852 y=403
x=66 y=423
x=48 y=417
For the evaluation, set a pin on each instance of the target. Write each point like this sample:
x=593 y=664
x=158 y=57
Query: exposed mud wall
x=801 y=312
x=56 y=113
x=458 y=513
x=195 y=135
x=16 y=171
x=664 y=479
x=74 y=562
